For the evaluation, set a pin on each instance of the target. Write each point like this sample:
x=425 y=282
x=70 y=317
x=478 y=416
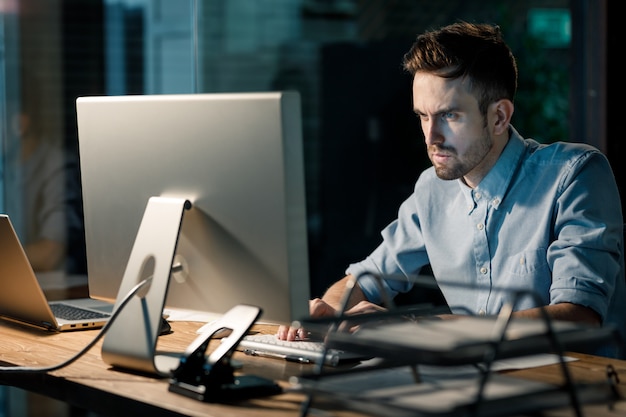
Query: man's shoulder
x=559 y=151
x=565 y=159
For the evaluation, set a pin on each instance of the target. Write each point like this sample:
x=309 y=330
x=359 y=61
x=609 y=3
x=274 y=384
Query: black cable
x=114 y=315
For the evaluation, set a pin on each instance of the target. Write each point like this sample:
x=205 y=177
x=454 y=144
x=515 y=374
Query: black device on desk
x=166 y=328
x=211 y=378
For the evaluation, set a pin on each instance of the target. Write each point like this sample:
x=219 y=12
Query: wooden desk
x=91 y=384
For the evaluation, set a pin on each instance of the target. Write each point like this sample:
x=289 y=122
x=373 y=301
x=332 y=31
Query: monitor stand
x=130 y=341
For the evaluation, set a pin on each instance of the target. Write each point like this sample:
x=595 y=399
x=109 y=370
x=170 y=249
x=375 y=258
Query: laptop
x=22 y=299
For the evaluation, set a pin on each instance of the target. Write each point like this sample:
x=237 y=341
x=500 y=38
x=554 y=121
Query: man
x=42 y=211
x=495 y=210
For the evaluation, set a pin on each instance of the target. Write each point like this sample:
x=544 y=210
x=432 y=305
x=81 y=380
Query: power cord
x=105 y=328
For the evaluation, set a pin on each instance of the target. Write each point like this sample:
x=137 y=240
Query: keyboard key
x=68 y=312
x=302 y=351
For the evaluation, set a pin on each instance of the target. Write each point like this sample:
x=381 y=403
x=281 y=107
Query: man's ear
x=502 y=111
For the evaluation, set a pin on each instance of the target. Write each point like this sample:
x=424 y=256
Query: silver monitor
x=237 y=158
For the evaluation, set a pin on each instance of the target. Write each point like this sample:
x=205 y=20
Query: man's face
x=457 y=139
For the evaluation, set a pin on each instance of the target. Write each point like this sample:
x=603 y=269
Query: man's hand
x=364 y=307
x=320 y=308
x=317 y=308
x=329 y=305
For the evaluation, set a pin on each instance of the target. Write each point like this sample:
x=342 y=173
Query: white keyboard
x=302 y=351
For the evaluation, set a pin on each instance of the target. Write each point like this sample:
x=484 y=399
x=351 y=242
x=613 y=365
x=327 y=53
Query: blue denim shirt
x=546 y=218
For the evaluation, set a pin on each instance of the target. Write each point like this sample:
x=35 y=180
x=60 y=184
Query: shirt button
x=480 y=226
x=496 y=201
x=482 y=312
x=483 y=270
x=477 y=196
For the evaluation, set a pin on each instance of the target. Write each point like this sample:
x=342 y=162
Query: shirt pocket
x=529 y=270
x=528 y=262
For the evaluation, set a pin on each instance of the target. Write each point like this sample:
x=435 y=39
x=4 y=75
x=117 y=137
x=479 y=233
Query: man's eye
x=450 y=116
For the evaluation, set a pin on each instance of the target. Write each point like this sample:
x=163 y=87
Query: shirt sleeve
x=400 y=255
x=585 y=256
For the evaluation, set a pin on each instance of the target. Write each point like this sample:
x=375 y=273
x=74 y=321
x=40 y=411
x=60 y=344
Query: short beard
x=469 y=161
x=452 y=173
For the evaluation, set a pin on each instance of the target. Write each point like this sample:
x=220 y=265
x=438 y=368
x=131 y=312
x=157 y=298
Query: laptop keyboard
x=68 y=312
x=299 y=350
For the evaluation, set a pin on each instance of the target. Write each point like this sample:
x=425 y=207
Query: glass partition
x=363 y=146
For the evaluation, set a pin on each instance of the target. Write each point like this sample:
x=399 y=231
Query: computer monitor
x=238 y=158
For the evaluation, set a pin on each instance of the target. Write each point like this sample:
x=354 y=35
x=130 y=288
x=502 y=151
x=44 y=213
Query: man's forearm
x=336 y=293
x=563 y=311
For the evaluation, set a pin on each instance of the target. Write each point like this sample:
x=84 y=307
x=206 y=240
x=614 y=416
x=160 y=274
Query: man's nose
x=432 y=133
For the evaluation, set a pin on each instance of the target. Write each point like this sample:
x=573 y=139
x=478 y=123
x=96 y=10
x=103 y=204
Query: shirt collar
x=493 y=187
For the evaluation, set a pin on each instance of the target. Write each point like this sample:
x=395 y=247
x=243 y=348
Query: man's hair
x=476 y=52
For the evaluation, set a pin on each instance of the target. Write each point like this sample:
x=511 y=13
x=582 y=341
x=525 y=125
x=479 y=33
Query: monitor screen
x=238 y=158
